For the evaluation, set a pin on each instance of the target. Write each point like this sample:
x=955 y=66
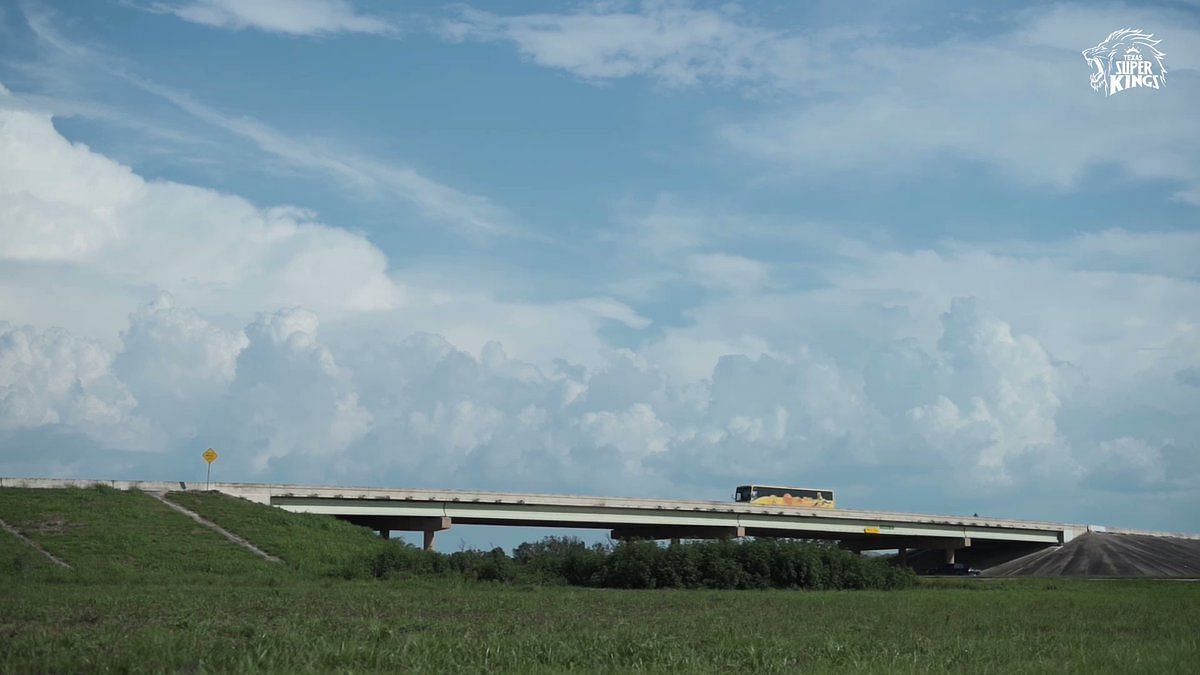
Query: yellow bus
x=774 y=495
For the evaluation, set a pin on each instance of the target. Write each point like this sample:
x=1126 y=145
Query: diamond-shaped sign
x=210 y=455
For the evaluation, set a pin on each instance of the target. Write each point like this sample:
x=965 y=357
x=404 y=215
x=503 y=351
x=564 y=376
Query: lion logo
x=1126 y=59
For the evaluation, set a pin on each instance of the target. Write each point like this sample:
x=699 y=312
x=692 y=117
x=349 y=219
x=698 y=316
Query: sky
x=902 y=251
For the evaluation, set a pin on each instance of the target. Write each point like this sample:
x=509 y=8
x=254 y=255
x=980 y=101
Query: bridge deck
x=399 y=508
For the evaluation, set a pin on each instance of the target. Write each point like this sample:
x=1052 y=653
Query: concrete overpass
x=431 y=511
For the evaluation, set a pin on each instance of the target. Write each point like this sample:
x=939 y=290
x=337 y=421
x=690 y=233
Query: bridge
x=433 y=511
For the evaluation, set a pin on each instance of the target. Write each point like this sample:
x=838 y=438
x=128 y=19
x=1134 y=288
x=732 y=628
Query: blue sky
x=904 y=251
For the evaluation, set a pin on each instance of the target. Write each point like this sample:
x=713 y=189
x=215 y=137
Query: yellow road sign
x=210 y=455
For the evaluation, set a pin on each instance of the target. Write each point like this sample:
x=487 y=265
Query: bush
x=630 y=565
x=759 y=563
x=762 y=563
x=494 y=565
x=396 y=559
x=564 y=560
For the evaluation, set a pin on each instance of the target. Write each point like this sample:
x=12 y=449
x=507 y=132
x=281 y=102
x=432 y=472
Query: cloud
x=974 y=408
x=290 y=17
x=1067 y=345
x=852 y=98
x=1029 y=377
x=76 y=220
x=975 y=412
x=54 y=379
x=537 y=331
x=470 y=215
x=176 y=363
x=1127 y=464
x=1017 y=100
x=290 y=397
x=997 y=397
x=269 y=392
x=673 y=43
x=730 y=272
x=852 y=296
x=61 y=203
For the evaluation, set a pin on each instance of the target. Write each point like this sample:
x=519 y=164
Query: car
x=954 y=569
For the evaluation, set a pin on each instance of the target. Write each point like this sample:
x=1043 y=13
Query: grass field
x=214 y=607
x=440 y=626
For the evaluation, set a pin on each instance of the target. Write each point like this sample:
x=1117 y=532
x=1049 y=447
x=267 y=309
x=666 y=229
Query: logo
x=1127 y=59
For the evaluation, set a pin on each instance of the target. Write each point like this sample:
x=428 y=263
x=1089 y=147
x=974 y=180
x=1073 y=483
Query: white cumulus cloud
x=290 y=395
x=63 y=204
x=53 y=379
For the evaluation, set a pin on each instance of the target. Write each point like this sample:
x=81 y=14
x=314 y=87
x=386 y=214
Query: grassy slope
x=314 y=545
x=19 y=560
x=210 y=606
x=107 y=534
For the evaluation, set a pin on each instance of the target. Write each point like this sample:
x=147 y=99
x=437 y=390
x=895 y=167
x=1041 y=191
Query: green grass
x=217 y=608
x=18 y=560
x=312 y=544
x=439 y=626
x=107 y=534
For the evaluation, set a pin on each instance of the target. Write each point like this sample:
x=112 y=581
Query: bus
x=774 y=495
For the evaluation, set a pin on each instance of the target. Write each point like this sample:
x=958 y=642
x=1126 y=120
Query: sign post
x=209 y=456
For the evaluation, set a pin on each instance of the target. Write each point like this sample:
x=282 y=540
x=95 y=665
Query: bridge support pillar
x=384 y=525
x=902 y=556
x=950 y=556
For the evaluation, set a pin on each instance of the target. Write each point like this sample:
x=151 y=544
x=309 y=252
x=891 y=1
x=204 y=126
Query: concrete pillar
x=949 y=556
x=428 y=545
x=902 y=556
x=385 y=533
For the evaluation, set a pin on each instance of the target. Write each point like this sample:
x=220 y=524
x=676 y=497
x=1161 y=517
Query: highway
x=431 y=511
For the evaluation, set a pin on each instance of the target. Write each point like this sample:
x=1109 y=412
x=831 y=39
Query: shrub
x=560 y=560
x=761 y=563
x=393 y=559
x=494 y=565
x=630 y=565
